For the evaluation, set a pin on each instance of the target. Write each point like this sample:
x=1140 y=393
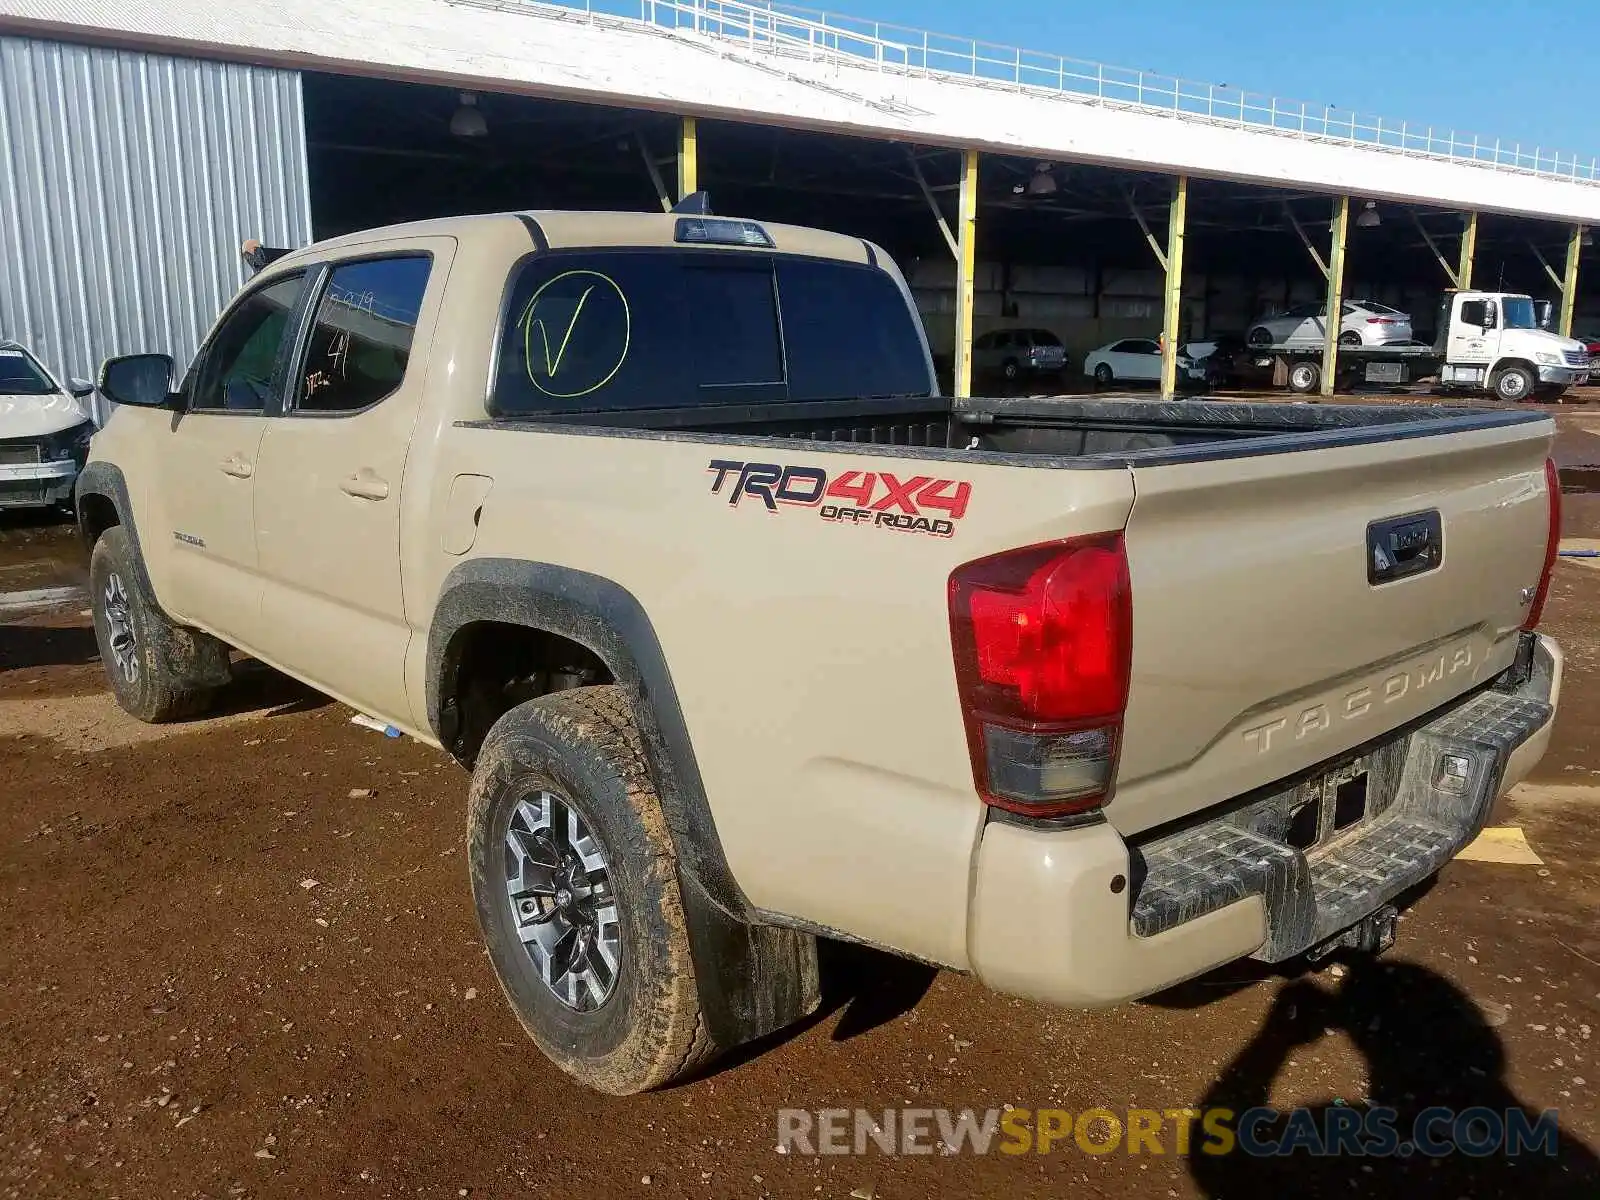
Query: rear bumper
x=1080 y=917
x=27 y=484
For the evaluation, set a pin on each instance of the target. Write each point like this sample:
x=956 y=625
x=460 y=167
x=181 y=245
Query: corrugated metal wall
x=127 y=182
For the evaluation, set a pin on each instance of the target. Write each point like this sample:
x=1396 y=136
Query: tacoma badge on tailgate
x=1402 y=546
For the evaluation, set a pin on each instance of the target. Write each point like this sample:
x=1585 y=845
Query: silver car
x=1013 y=353
x=1362 y=323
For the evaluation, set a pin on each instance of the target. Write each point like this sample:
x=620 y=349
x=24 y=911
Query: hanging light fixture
x=467 y=121
x=1369 y=218
x=1043 y=181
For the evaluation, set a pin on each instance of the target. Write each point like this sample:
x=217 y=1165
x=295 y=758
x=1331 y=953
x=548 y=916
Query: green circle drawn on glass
x=545 y=342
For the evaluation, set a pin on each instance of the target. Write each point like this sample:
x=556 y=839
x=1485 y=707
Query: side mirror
x=143 y=380
x=1543 y=313
x=1490 y=320
x=81 y=389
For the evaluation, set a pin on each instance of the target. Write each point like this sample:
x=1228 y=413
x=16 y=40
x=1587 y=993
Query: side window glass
x=235 y=374
x=361 y=337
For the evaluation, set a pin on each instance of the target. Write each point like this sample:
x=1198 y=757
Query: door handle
x=237 y=467
x=365 y=484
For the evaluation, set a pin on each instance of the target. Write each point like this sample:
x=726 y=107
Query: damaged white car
x=44 y=431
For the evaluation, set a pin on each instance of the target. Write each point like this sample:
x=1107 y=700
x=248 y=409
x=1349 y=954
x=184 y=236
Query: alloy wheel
x=558 y=883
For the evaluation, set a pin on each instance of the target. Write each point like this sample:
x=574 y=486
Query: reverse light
x=1043 y=639
x=1552 y=545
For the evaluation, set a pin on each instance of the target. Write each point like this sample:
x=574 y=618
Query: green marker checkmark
x=551 y=366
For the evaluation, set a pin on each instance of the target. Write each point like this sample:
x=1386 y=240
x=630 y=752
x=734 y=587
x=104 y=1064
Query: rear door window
x=361 y=338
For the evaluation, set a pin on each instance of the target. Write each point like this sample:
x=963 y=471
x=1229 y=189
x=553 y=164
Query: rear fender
x=752 y=978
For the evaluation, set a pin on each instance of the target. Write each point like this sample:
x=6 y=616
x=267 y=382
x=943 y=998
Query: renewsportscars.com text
x=1261 y=1132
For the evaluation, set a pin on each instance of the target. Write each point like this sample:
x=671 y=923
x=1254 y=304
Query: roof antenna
x=695 y=204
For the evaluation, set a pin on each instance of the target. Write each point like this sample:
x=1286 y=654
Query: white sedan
x=44 y=431
x=1132 y=360
x=1362 y=323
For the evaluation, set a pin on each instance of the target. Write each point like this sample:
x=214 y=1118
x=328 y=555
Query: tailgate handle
x=1403 y=546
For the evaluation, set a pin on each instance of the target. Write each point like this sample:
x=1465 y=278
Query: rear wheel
x=140 y=649
x=1104 y=375
x=1304 y=377
x=575 y=882
x=1349 y=338
x=1259 y=336
x=1513 y=383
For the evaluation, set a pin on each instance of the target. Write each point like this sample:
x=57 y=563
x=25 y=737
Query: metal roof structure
x=776 y=65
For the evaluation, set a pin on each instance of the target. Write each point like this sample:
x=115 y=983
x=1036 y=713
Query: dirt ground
x=238 y=958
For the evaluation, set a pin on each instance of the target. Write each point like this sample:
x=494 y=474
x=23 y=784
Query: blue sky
x=1520 y=71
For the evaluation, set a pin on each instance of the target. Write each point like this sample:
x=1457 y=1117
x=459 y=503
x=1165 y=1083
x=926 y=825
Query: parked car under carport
x=44 y=431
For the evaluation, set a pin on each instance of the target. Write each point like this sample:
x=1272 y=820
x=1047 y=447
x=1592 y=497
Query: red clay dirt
x=238 y=958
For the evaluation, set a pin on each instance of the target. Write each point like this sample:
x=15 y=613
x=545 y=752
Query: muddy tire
x=1514 y=383
x=575 y=881
x=139 y=647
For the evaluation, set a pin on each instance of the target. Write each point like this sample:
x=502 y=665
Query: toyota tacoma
x=659 y=525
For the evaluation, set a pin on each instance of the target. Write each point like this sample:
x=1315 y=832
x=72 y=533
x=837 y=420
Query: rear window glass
x=732 y=319
x=663 y=329
x=1043 y=337
x=848 y=331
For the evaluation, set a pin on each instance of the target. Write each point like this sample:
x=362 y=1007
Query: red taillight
x=1552 y=483
x=1043 y=638
x=1381 y=321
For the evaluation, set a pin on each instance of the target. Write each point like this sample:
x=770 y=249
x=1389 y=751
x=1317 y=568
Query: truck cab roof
x=566 y=229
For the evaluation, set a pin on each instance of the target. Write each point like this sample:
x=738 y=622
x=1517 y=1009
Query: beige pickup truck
x=659 y=525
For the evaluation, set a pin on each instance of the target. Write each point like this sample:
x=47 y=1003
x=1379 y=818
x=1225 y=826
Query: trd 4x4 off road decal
x=876 y=498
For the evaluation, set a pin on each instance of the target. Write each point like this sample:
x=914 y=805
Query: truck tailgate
x=1260 y=646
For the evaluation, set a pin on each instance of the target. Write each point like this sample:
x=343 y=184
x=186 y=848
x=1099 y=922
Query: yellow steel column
x=1569 y=283
x=1469 y=248
x=966 y=264
x=1174 y=308
x=688 y=159
x=1335 y=317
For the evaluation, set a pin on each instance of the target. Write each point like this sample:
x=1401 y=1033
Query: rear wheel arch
x=752 y=979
